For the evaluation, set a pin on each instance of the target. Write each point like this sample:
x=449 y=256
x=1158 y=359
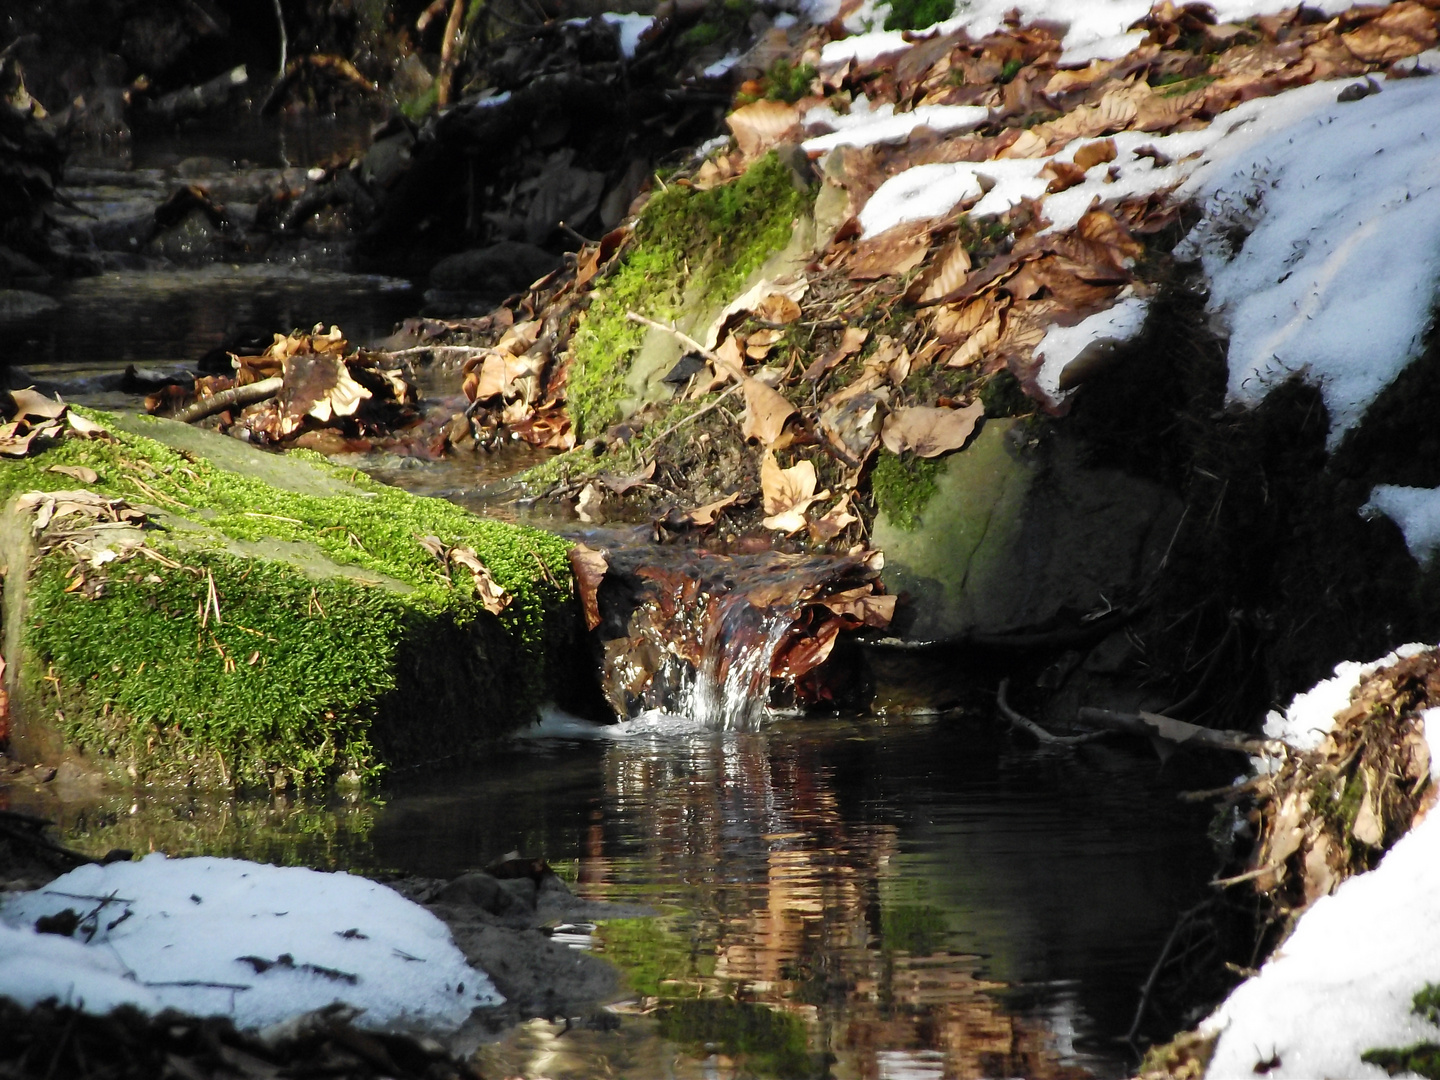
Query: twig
x=680 y=335
x=1229 y=793
x=694 y=416
x=1181 y=732
x=1026 y=724
x=447 y=54
x=239 y=396
x=284 y=39
x=1149 y=988
x=415 y=350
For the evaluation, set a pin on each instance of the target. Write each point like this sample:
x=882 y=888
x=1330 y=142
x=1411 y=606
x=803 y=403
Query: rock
x=498 y=270
x=1011 y=541
x=16 y=304
x=479 y=889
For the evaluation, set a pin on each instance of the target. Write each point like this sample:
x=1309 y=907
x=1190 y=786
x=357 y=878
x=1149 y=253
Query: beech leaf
x=766 y=411
x=589 y=567
x=930 y=431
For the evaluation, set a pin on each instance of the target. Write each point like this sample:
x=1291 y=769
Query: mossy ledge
x=333 y=646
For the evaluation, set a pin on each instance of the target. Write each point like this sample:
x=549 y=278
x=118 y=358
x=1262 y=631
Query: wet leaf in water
x=589 y=567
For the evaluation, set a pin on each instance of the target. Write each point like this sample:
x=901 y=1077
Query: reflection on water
x=918 y=900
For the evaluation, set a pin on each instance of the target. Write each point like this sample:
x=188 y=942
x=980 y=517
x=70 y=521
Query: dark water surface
x=919 y=900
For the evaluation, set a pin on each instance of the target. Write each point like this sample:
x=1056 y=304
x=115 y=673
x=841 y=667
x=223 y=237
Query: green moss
x=903 y=486
x=657 y=959
x=1002 y=396
x=768 y=1042
x=917 y=14
x=304 y=676
x=689 y=245
x=1010 y=70
x=918 y=929
x=1185 y=86
x=788 y=82
x=702 y=34
x=1426 y=1003
x=423 y=103
x=1423 y=1059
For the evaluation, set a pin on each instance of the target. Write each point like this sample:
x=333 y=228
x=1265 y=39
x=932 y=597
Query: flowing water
x=869 y=898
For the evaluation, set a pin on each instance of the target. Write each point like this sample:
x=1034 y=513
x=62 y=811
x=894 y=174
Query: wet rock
x=18 y=304
x=498 y=270
x=515 y=896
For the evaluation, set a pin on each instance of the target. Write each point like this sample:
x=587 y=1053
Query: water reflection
x=921 y=901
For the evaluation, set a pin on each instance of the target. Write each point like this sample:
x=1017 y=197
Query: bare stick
x=680 y=335
x=248 y=394
x=447 y=54
x=284 y=39
x=416 y=350
x=694 y=415
x=1155 y=726
x=1026 y=724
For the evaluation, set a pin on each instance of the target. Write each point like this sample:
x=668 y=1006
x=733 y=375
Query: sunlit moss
x=903 y=486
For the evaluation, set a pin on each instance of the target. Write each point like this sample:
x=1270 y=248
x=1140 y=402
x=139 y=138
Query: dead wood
x=238 y=396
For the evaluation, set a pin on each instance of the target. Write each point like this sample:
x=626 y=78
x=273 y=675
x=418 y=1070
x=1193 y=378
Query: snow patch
x=1311 y=715
x=628 y=29
x=1063 y=345
x=866 y=126
x=178 y=934
x=1415 y=510
x=925 y=191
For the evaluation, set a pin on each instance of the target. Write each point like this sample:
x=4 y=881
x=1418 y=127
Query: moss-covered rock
x=282 y=623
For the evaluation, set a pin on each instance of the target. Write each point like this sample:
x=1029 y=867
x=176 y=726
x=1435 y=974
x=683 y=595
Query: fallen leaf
x=868 y=608
x=705 y=515
x=835 y=521
x=894 y=252
x=317 y=384
x=1404 y=29
x=15 y=442
x=1095 y=153
x=621 y=484
x=766 y=411
x=951 y=268
x=587 y=507
x=778 y=308
x=752 y=299
x=86 y=428
x=761 y=124
x=30 y=402
x=1062 y=176
x=787 y=493
x=850 y=343
x=487 y=590
x=589 y=567
x=930 y=431
x=79 y=472
x=759 y=344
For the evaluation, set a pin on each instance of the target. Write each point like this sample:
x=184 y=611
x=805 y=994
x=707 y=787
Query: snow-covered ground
x=227 y=937
x=1344 y=980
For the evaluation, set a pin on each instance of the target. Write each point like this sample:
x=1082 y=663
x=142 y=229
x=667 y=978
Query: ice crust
x=191 y=921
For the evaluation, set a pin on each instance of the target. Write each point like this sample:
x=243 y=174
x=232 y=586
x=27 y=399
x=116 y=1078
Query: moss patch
x=903 y=486
x=689 y=245
x=767 y=1042
x=917 y=14
x=340 y=645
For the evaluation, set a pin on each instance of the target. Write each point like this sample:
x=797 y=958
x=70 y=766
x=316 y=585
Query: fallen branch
x=1026 y=724
x=239 y=396
x=416 y=350
x=679 y=335
x=195 y=100
x=1156 y=726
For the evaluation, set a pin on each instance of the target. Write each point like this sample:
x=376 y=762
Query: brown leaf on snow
x=850 y=343
x=930 y=431
x=1403 y=30
x=766 y=411
x=788 y=493
x=1062 y=176
x=761 y=124
x=1096 y=153
x=487 y=590
x=589 y=567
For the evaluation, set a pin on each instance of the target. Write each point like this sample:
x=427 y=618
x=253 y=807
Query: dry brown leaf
x=78 y=472
x=621 y=484
x=761 y=124
x=30 y=402
x=487 y=590
x=759 y=344
x=1062 y=175
x=851 y=342
x=930 y=431
x=778 y=308
x=752 y=299
x=894 y=252
x=1404 y=29
x=1095 y=153
x=787 y=493
x=589 y=567
x=952 y=267
x=15 y=438
x=835 y=521
x=317 y=384
x=706 y=515
x=87 y=429
x=766 y=411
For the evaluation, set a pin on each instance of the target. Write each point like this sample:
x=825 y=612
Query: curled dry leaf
x=589 y=567
x=30 y=402
x=85 y=428
x=755 y=299
x=317 y=384
x=708 y=514
x=761 y=124
x=487 y=590
x=16 y=437
x=778 y=308
x=79 y=472
x=951 y=268
x=766 y=411
x=835 y=521
x=930 y=431
x=788 y=493
x=1095 y=153
x=621 y=484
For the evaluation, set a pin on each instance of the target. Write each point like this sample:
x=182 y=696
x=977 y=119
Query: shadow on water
x=921 y=900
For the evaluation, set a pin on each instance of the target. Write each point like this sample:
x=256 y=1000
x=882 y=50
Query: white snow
x=925 y=191
x=721 y=66
x=1311 y=714
x=867 y=126
x=176 y=931
x=1062 y=345
x=1343 y=982
x=628 y=28
x=1415 y=510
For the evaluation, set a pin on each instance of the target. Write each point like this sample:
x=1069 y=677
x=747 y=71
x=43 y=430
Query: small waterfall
x=708 y=637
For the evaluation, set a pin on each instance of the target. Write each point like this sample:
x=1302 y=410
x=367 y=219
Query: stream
x=915 y=899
